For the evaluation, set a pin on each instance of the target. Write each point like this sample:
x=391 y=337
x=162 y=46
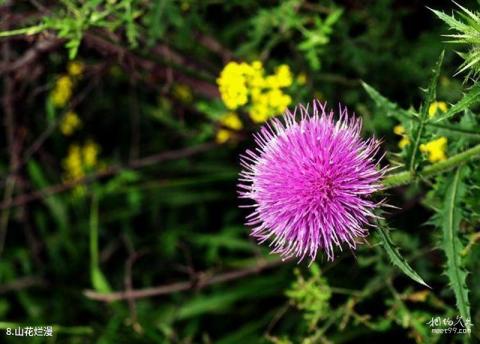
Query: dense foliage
x=123 y=121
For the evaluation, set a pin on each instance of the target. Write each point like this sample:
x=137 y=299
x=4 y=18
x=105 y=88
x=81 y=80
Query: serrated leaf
x=472 y=97
x=451 y=216
x=396 y=258
x=451 y=21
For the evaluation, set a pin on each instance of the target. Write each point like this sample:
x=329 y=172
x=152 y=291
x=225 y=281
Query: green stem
x=406 y=177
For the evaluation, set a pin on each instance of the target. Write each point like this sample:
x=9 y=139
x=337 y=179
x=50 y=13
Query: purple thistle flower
x=310 y=180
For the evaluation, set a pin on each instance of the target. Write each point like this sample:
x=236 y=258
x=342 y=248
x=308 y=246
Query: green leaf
x=451 y=21
x=54 y=203
x=429 y=98
x=472 y=97
x=395 y=256
x=451 y=217
x=99 y=282
x=391 y=109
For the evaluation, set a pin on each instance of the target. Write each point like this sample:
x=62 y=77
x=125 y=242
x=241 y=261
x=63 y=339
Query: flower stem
x=407 y=177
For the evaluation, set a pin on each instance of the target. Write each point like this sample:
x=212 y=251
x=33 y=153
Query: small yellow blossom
x=230 y=122
x=90 y=152
x=302 y=79
x=70 y=122
x=79 y=160
x=75 y=68
x=62 y=92
x=268 y=104
x=404 y=141
x=435 y=107
x=435 y=149
x=182 y=93
x=223 y=135
x=399 y=129
x=282 y=77
x=73 y=163
x=232 y=84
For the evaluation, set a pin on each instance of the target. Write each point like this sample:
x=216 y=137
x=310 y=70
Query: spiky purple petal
x=310 y=179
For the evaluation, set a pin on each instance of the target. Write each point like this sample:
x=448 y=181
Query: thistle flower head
x=310 y=178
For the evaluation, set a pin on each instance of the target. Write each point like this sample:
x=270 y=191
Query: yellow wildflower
x=239 y=82
x=62 y=92
x=278 y=100
x=284 y=76
x=223 y=135
x=229 y=122
x=259 y=114
x=232 y=85
x=404 y=141
x=302 y=79
x=182 y=93
x=90 y=151
x=435 y=107
x=70 y=122
x=399 y=129
x=73 y=163
x=75 y=68
x=79 y=160
x=435 y=149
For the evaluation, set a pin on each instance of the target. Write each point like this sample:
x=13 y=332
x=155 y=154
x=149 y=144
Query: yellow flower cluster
x=400 y=130
x=435 y=107
x=230 y=123
x=239 y=81
x=70 y=122
x=62 y=92
x=63 y=89
x=79 y=160
x=435 y=149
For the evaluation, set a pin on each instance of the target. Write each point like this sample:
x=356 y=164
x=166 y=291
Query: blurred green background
x=119 y=167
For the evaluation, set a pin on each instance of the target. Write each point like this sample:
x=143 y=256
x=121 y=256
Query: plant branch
x=112 y=170
x=202 y=281
x=406 y=177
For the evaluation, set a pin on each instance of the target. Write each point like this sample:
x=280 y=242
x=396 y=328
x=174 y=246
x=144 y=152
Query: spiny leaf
x=451 y=21
x=395 y=256
x=451 y=216
x=472 y=97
